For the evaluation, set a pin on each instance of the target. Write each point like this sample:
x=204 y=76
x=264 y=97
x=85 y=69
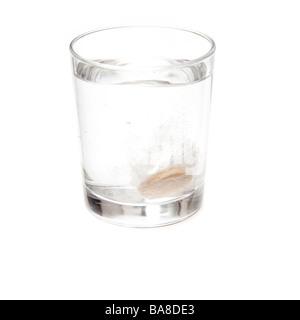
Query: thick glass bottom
x=145 y=215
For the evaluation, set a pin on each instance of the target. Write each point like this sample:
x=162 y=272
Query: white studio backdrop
x=245 y=242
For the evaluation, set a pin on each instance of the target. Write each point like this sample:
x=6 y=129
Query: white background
x=245 y=242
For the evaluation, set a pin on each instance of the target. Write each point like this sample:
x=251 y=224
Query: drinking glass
x=143 y=99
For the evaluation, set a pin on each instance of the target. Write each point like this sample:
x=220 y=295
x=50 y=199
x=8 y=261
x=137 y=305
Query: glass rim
x=183 y=64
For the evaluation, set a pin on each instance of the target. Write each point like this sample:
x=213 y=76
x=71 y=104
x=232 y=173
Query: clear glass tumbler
x=143 y=98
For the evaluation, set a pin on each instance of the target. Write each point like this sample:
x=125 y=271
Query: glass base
x=145 y=215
